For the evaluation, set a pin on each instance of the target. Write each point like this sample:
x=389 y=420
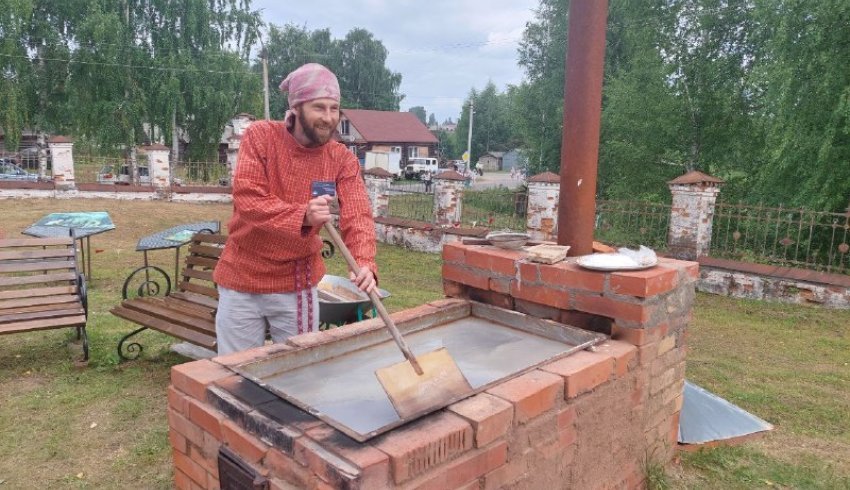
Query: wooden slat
x=209 y=238
x=157 y=308
x=41 y=314
x=37 y=279
x=198 y=274
x=32 y=293
x=27 y=309
x=43 y=324
x=186 y=334
x=196 y=298
x=34 y=242
x=203 y=290
x=45 y=265
x=205 y=250
x=201 y=261
x=190 y=308
x=36 y=254
x=45 y=300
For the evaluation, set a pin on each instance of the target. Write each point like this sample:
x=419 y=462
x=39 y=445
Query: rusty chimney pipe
x=582 y=113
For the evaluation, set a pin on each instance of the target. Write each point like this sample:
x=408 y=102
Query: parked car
x=108 y=175
x=417 y=167
x=10 y=170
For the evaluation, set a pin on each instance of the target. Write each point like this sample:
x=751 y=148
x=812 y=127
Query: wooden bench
x=41 y=287
x=188 y=312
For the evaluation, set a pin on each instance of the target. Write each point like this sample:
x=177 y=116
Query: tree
x=116 y=72
x=806 y=104
x=358 y=60
x=420 y=113
x=432 y=120
x=492 y=128
x=539 y=100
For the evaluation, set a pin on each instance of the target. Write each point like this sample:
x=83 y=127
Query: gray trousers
x=242 y=318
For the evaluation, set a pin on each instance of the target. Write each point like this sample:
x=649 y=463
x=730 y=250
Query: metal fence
x=632 y=223
x=200 y=173
x=92 y=169
x=408 y=200
x=25 y=158
x=498 y=208
x=791 y=237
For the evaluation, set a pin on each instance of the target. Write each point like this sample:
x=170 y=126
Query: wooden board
x=547 y=253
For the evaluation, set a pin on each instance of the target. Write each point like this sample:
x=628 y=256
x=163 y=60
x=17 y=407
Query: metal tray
x=336 y=381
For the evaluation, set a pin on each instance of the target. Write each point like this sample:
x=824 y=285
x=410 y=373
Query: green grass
x=104 y=425
x=787 y=364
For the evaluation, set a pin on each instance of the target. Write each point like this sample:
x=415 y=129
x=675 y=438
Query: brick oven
x=588 y=420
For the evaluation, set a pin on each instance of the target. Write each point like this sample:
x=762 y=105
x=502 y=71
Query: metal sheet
x=706 y=417
x=344 y=391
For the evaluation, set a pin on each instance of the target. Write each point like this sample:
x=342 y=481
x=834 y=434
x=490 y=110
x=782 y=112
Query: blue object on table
x=83 y=224
x=60 y=224
x=175 y=237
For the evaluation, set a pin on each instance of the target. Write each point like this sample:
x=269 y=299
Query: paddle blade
x=441 y=383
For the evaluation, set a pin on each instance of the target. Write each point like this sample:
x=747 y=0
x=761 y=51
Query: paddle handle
x=376 y=299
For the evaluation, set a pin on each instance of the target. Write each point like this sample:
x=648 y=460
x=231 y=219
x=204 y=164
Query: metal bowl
x=340 y=312
x=509 y=240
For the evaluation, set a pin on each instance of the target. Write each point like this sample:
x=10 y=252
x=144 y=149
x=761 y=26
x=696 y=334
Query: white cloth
x=242 y=318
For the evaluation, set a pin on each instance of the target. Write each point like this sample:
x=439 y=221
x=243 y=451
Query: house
x=491 y=161
x=514 y=159
x=385 y=131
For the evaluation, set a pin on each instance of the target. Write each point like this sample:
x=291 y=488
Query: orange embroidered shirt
x=271 y=187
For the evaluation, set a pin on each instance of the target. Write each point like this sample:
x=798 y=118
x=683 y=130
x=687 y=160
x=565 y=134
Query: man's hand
x=318 y=211
x=364 y=280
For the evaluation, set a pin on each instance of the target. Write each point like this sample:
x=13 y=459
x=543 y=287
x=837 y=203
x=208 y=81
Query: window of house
x=344 y=127
x=412 y=151
x=395 y=149
x=353 y=149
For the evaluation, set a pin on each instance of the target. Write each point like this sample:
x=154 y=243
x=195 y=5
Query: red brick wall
x=586 y=421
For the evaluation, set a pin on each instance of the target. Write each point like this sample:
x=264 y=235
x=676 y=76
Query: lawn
x=104 y=425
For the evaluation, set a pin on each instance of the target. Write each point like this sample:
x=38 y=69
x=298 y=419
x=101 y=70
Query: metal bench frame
x=187 y=313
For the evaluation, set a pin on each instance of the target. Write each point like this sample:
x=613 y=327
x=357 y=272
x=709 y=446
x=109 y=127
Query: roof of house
x=494 y=154
x=389 y=127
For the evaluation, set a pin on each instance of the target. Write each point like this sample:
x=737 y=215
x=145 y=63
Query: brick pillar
x=691 y=215
x=159 y=166
x=233 y=154
x=62 y=155
x=541 y=219
x=42 y=156
x=649 y=309
x=378 y=183
x=448 y=197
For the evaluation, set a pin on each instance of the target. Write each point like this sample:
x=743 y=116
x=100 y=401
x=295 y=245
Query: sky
x=442 y=48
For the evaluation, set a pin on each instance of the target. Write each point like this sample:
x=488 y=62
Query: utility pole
x=264 y=57
x=469 y=136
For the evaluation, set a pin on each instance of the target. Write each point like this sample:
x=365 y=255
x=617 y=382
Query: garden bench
x=41 y=287
x=187 y=313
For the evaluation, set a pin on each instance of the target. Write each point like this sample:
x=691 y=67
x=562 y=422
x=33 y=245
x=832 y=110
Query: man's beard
x=316 y=139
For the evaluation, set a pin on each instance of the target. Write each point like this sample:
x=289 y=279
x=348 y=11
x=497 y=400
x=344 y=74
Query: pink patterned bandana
x=310 y=81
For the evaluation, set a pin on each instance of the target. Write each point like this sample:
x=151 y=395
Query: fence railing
x=497 y=208
x=92 y=169
x=791 y=237
x=25 y=158
x=408 y=200
x=200 y=173
x=632 y=223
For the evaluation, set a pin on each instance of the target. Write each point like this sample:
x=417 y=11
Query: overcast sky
x=441 y=48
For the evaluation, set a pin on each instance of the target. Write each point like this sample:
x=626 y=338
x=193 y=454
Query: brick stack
x=589 y=420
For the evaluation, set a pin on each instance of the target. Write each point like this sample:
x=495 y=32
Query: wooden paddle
x=422 y=383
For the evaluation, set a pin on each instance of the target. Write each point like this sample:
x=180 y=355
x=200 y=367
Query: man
x=271 y=263
x=427 y=180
